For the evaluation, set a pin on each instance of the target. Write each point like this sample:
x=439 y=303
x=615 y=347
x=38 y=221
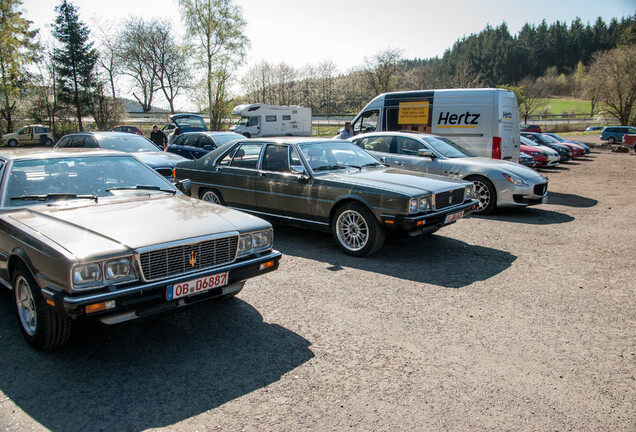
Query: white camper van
x=484 y=120
x=262 y=120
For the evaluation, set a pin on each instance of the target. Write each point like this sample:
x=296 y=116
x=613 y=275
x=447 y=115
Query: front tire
x=212 y=196
x=356 y=230
x=42 y=326
x=611 y=141
x=13 y=143
x=486 y=194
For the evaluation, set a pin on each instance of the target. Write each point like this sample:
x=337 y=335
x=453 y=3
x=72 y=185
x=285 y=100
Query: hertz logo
x=446 y=119
x=192 y=258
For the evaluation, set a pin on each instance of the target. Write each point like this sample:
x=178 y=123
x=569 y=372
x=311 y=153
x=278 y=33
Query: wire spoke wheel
x=353 y=231
x=212 y=197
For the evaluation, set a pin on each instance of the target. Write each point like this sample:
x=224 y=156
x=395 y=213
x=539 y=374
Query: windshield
x=448 y=148
x=78 y=177
x=328 y=156
x=243 y=121
x=128 y=143
x=225 y=138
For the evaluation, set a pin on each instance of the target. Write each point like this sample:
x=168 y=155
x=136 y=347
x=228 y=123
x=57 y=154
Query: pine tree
x=75 y=60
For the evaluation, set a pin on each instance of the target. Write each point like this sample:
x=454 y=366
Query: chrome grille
x=175 y=260
x=448 y=198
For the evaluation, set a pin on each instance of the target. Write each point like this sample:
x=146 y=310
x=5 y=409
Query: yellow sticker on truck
x=413 y=113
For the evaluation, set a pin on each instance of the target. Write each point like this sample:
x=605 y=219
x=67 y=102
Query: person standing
x=347 y=132
x=158 y=137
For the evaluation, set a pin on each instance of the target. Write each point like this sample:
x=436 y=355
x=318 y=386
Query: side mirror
x=425 y=153
x=298 y=170
x=184 y=185
x=208 y=147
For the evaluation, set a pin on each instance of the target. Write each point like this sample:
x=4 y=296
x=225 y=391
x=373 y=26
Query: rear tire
x=356 y=230
x=611 y=141
x=42 y=326
x=212 y=196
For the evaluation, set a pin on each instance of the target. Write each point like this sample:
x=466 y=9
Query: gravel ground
x=523 y=320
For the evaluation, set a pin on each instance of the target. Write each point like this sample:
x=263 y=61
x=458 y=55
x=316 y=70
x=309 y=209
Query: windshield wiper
x=143 y=187
x=330 y=167
x=53 y=197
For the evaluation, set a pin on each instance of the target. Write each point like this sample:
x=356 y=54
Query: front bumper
x=421 y=223
x=142 y=299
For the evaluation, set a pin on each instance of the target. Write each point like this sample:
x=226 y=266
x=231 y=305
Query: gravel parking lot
x=522 y=320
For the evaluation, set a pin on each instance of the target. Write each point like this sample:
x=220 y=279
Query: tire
x=356 y=230
x=611 y=141
x=212 y=196
x=48 y=142
x=486 y=193
x=13 y=143
x=42 y=326
x=247 y=135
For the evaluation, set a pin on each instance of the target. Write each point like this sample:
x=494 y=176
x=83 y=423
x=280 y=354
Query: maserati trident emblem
x=192 y=258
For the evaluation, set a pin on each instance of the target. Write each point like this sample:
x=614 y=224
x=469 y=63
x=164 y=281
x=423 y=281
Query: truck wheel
x=42 y=326
x=611 y=141
x=48 y=142
x=356 y=230
x=212 y=196
x=247 y=135
x=486 y=194
x=13 y=143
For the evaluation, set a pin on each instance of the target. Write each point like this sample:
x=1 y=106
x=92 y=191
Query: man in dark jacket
x=158 y=137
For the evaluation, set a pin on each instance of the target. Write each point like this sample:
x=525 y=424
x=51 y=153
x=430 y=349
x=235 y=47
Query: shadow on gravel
x=433 y=259
x=528 y=215
x=146 y=374
x=569 y=200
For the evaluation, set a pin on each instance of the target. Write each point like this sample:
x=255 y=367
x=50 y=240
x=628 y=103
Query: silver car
x=498 y=183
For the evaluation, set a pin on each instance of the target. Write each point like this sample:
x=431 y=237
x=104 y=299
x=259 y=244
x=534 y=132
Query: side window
x=188 y=140
x=295 y=159
x=407 y=146
x=89 y=142
x=205 y=140
x=253 y=121
x=64 y=142
x=25 y=131
x=368 y=122
x=276 y=158
x=77 y=141
x=246 y=156
x=270 y=118
x=379 y=144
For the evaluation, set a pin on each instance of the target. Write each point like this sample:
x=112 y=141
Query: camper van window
x=270 y=118
x=286 y=117
x=368 y=122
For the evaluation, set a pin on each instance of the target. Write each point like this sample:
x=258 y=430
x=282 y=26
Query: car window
x=77 y=141
x=130 y=143
x=276 y=158
x=243 y=156
x=25 y=131
x=188 y=140
x=63 y=142
x=407 y=146
x=447 y=147
x=378 y=143
x=205 y=140
x=368 y=122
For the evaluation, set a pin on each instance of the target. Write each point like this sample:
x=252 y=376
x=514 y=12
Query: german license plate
x=196 y=286
x=453 y=217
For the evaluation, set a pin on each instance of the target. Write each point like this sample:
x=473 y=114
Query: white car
x=553 y=156
x=497 y=183
x=33 y=134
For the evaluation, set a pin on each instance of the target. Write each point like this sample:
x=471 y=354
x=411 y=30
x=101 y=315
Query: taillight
x=496 y=147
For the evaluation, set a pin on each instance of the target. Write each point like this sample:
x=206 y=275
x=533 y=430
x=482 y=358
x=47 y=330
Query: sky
x=302 y=32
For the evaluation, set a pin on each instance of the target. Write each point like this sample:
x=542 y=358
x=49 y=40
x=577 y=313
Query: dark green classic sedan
x=329 y=185
x=97 y=234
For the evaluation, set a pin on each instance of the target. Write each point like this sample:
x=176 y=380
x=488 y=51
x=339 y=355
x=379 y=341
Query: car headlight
x=470 y=191
x=102 y=273
x=420 y=204
x=119 y=270
x=515 y=180
x=256 y=241
x=87 y=274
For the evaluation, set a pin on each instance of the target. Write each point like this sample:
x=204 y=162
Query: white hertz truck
x=484 y=120
x=263 y=120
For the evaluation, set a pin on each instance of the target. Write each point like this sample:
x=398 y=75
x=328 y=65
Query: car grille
x=540 y=189
x=448 y=198
x=175 y=260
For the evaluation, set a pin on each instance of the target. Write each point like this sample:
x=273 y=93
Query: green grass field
x=560 y=106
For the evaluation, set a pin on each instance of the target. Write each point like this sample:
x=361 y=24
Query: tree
x=218 y=25
x=382 y=69
x=530 y=96
x=17 y=50
x=109 y=50
x=75 y=60
x=613 y=76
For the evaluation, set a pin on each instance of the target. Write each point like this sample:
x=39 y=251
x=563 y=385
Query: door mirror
x=184 y=185
x=425 y=153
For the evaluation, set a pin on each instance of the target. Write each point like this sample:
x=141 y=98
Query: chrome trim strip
x=280 y=216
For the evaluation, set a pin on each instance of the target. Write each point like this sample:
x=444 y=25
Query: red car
x=629 y=140
x=127 y=129
x=530 y=128
x=539 y=157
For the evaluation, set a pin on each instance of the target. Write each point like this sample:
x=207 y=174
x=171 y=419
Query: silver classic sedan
x=497 y=183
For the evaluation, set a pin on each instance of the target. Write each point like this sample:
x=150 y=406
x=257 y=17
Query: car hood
x=159 y=158
x=486 y=164
x=117 y=225
x=396 y=180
